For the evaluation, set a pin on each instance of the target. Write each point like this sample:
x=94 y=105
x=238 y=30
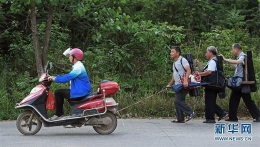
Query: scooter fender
x=98 y=104
x=34 y=94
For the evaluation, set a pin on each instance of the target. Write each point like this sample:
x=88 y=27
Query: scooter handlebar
x=50 y=78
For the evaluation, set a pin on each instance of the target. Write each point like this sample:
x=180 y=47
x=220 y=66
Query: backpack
x=193 y=91
x=194 y=76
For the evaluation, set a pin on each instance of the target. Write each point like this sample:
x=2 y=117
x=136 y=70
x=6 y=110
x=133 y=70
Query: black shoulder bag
x=216 y=80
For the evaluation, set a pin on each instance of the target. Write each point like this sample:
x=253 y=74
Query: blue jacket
x=79 y=81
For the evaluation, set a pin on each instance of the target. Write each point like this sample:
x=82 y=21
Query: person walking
x=180 y=67
x=211 y=106
x=237 y=94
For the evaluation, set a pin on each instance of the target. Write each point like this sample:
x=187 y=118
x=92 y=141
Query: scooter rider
x=79 y=81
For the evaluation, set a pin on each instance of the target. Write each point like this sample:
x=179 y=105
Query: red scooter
x=97 y=109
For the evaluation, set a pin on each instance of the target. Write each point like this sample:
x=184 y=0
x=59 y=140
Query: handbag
x=50 y=102
x=234 y=83
x=216 y=80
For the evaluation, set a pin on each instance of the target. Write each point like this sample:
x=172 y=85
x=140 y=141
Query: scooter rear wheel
x=107 y=129
x=26 y=127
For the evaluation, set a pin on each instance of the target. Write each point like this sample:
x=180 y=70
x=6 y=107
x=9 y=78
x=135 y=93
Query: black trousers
x=60 y=94
x=211 y=106
x=234 y=102
x=180 y=105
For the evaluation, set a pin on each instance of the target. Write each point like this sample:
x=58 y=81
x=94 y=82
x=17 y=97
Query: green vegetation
x=126 y=41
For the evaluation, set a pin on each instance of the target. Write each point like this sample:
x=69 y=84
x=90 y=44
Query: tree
x=41 y=58
x=30 y=6
x=33 y=7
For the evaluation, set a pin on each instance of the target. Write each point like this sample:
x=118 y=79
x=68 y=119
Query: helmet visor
x=67 y=52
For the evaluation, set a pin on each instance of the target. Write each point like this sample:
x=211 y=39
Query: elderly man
x=210 y=94
x=236 y=95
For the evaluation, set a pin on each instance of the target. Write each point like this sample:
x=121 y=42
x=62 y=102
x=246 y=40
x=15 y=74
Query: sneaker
x=191 y=116
x=54 y=117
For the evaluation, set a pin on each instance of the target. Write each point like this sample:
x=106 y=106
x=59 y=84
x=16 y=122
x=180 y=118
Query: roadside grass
x=140 y=104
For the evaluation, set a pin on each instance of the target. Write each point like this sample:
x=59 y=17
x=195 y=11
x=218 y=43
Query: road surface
x=139 y=133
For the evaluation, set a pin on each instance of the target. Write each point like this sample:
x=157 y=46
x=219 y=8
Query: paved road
x=132 y=133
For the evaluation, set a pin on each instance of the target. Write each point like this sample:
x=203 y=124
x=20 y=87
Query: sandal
x=191 y=116
x=176 y=121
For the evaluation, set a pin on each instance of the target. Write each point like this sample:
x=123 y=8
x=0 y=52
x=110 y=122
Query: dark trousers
x=211 y=106
x=180 y=104
x=60 y=94
x=234 y=102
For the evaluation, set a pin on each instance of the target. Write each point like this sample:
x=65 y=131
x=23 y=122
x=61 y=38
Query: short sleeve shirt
x=179 y=64
x=239 y=67
x=211 y=65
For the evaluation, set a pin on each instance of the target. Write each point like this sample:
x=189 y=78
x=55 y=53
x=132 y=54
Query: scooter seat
x=79 y=100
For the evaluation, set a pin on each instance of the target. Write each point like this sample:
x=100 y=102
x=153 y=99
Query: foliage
x=126 y=41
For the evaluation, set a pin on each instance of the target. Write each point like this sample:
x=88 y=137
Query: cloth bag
x=50 y=102
x=194 y=77
x=234 y=83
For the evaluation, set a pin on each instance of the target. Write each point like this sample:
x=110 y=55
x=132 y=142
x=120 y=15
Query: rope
x=141 y=100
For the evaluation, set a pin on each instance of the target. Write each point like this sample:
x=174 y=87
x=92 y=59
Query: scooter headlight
x=36 y=89
x=42 y=77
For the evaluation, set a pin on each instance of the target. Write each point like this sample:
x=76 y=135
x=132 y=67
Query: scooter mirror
x=49 y=65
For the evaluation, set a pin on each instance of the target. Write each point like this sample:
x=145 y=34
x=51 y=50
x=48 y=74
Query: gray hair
x=237 y=46
x=213 y=50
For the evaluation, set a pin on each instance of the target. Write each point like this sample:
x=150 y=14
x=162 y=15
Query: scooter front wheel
x=28 y=124
x=107 y=129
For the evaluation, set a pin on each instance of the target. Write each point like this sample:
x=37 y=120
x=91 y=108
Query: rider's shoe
x=54 y=117
x=76 y=115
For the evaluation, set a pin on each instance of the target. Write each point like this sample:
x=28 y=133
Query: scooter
x=98 y=109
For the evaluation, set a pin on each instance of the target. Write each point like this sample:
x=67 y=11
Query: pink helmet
x=77 y=53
